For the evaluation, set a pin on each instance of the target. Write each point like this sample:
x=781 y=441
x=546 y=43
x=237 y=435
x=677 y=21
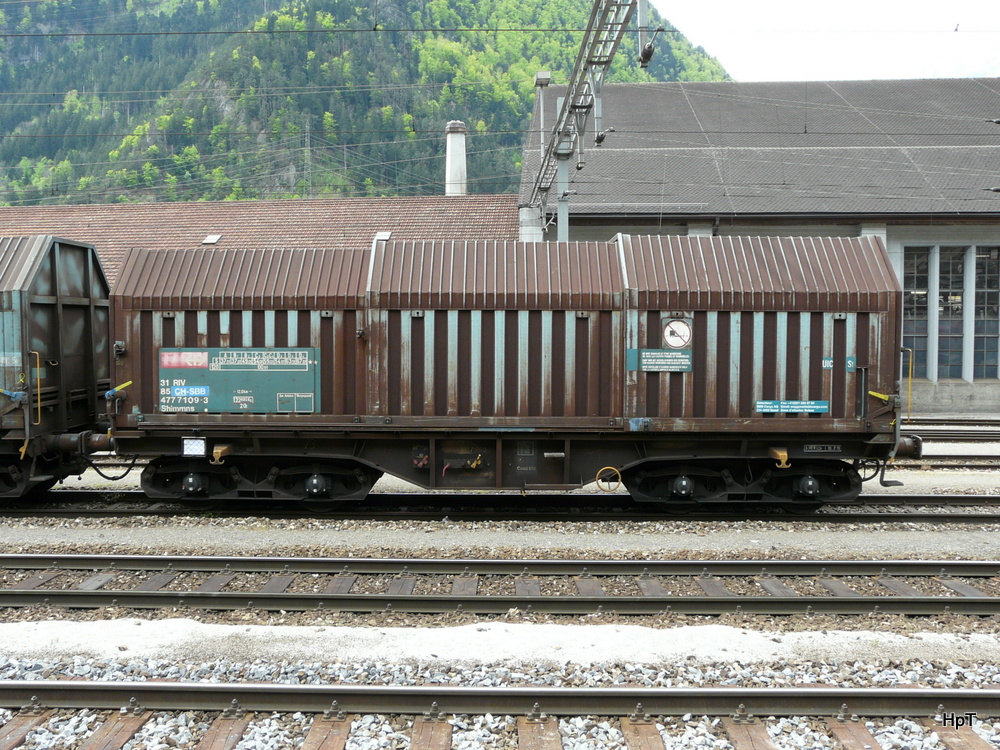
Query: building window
x=915 y=265
x=987 y=312
x=951 y=289
x=951 y=310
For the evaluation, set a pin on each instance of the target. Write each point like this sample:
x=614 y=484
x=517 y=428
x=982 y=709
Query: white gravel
x=486 y=732
x=275 y=732
x=904 y=734
x=988 y=731
x=689 y=733
x=377 y=732
x=471 y=645
x=796 y=733
x=165 y=731
x=64 y=730
x=588 y=733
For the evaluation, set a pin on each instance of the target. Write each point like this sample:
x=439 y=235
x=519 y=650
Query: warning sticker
x=659 y=360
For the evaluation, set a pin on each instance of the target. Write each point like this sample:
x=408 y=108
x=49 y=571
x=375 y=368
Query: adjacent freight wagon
x=692 y=369
x=54 y=360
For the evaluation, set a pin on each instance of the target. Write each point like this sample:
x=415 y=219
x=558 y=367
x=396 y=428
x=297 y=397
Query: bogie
x=273 y=478
x=801 y=485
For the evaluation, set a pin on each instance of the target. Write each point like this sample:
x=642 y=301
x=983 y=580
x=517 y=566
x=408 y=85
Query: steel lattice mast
x=605 y=30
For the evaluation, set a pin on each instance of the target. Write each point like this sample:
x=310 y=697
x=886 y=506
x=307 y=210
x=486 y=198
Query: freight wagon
x=691 y=369
x=54 y=360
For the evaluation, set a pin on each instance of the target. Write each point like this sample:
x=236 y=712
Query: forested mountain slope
x=139 y=100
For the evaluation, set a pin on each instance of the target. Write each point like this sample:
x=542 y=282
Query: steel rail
x=969 y=436
x=410 y=499
x=452 y=566
x=566 y=515
x=520 y=701
x=498 y=605
x=533 y=508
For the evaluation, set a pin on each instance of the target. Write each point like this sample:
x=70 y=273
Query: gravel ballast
x=44 y=643
x=474 y=645
x=67 y=730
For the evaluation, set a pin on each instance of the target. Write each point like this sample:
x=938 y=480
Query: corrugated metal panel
x=18 y=258
x=212 y=279
x=505 y=364
x=498 y=331
x=740 y=358
x=495 y=276
x=243 y=299
x=759 y=273
x=802 y=326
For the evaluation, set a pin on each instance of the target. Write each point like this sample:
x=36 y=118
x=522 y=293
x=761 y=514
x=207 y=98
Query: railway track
x=969 y=461
x=634 y=712
x=69 y=504
x=951 y=429
x=497 y=587
x=517 y=701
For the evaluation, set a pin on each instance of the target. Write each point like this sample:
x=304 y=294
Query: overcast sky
x=811 y=40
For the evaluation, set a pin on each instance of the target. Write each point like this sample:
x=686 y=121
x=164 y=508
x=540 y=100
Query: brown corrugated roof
x=496 y=275
x=668 y=273
x=759 y=273
x=272 y=279
x=347 y=223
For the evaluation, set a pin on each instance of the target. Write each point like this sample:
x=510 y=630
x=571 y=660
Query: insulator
x=646 y=54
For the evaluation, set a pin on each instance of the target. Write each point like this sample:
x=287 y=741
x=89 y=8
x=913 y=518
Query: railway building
x=915 y=163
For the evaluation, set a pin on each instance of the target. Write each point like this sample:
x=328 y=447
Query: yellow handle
x=117 y=388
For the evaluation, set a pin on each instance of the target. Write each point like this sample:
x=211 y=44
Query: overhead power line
x=257 y=133
x=251 y=32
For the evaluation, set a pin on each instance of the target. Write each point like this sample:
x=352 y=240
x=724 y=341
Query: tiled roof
x=835 y=147
x=333 y=223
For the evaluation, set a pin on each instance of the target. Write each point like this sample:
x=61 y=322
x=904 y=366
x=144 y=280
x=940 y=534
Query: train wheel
x=680 y=509
x=324 y=487
x=201 y=504
x=676 y=487
x=800 y=509
x=322 y=507
x=810 y=484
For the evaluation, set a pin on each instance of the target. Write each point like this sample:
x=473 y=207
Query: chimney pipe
x=455 y=178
